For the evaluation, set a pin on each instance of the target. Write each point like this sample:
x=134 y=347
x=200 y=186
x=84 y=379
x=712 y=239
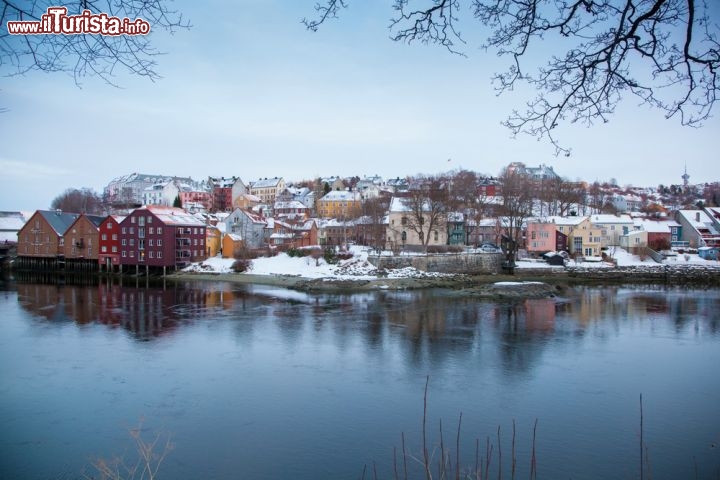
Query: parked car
x=489 y=248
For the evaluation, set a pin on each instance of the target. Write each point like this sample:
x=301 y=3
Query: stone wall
x=469 y=263
x=669 y=274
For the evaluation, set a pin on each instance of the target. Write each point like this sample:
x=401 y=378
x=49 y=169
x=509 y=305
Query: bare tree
x=427 y=205
x=370 y=228
x=84 y=200
x=561 y=195
x=85 y=54
x=665 y=52
x=517 y=195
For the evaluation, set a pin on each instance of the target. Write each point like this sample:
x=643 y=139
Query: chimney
x=58 y=212
x=697 y=216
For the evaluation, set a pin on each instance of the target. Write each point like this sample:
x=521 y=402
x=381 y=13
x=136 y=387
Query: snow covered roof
x=566 y=221
x=267 y=182
x=605 y=218
x=400 y=204
x=455 y=217
x=341 y=196
x=290 y=204
x=173 y=216
x=11 y=223
x=696 y=218
x=656 y=226
x=235 y=237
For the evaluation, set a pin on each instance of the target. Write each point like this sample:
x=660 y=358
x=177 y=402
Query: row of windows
x=103 y=249
x=151 y=242
x=131 y=230
x=151 y=254
x=141 y=220
x=104 y=236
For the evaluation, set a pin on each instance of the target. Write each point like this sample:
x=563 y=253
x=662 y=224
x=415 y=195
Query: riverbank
x=524 y=283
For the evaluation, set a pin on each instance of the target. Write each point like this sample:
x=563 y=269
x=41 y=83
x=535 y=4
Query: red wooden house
x=109 y=256
x=161 y=237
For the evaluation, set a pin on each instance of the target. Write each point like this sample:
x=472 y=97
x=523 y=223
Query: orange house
x=232 y=244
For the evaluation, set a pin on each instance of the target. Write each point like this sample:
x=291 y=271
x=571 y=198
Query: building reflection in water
x=430 y=325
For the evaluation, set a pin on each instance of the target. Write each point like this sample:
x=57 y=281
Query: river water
x=259 y=382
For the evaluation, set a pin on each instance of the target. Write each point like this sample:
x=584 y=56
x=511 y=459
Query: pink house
x=544 y=237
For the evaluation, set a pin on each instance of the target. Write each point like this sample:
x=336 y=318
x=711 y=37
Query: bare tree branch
x=664 y=52
x=84 y=54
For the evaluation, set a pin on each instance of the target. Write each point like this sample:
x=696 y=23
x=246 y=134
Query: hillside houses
x=270 y=214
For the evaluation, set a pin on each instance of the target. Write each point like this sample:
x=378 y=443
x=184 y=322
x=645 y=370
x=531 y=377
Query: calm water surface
x=259 y=382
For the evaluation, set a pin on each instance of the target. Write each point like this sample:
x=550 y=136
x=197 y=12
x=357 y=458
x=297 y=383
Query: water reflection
x=433 y=324
x=333 y=377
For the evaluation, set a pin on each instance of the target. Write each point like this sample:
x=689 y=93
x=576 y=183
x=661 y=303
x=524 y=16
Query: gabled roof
x=400 y=204
x=605 y=218
x=341 y=196
x=173 y=216
x=656 y=226
x=266 y=183
x=696 y=218
x=58 y=220
x=253 y=217
x=566 y=221
x=290 y=204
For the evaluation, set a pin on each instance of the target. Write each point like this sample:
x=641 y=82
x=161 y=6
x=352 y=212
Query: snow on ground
x=358 y=267
x=355 y=268
x=212 y=265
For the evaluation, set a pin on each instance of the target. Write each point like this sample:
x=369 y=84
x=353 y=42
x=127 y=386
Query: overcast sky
x=248 y=91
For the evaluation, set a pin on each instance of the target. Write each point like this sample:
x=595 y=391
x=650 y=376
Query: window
x=141 y=232
x=132 y=253
x=151 y=242
x=159 y=254
x=152 y=254
x=132 y=242
x=196 y=242
x=141 y=244
x=114 y=249
x=159 y=230
x=149 y=219
x=403 y=221
x=159 y=244
x=124 y=242
x=533 y=236
x=114 y=236
x=124 y=231
x=103 y=249
x=141 y=221
x=103 y=237
x=132 y=230
x=202 y=241
x=132 y=219
x=436 y=235
x=124 y=254
x=403 y=236
x=110 y=224
x=195 y=231
x=151 y=230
